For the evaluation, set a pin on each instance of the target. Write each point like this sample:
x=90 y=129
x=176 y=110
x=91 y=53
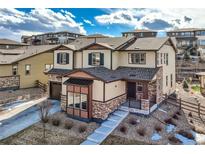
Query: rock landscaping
x=60 y=129
x=167 y=125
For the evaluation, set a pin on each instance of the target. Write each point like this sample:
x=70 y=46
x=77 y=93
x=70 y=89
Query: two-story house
x=98 y=75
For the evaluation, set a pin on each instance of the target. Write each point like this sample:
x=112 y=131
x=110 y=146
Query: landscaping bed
x=167 y=125
x=66 y=131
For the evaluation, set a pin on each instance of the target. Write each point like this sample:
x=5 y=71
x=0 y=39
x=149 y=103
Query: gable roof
x=26 y=52
x=148 y=44
x=109 y=42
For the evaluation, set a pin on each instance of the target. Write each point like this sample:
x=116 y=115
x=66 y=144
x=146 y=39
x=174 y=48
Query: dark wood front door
x=55 y=90
x=131 y=89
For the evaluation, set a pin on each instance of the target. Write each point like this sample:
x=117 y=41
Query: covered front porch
x=141 y=97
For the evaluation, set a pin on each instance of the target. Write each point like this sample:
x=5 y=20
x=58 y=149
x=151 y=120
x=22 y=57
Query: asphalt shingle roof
x=112 y=42
x=150 y=43
x=58 y=71
x=128 y=73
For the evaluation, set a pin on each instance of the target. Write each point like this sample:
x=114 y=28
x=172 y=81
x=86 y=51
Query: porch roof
x=78 y=81
x=58 y=71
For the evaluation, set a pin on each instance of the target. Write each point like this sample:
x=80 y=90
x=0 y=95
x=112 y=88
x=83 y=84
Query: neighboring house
x=10 y=44
x=189 y=60
x=97 y=75
x=140 y=33
x=22 y=67
x=63 y=37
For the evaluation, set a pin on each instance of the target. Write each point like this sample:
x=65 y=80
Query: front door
x=131 y=89
x=55 y=90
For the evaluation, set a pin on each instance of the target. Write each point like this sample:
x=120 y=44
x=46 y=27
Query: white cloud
x=37 y=21
x=146 y=18
x=88 y=22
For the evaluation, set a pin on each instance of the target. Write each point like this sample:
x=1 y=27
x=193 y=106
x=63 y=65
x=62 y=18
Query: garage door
x=55 y=90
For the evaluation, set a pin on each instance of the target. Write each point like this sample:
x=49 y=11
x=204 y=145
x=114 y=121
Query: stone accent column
x=145 y=104
x=63 y=102
x=101 y=110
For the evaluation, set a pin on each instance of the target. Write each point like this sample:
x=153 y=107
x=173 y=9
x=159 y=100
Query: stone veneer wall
x=9 y=82
x=155 y=87
x=63 y=102
x=101 y=110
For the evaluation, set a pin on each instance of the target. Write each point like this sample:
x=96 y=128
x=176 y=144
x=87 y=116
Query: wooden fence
x=196 y=108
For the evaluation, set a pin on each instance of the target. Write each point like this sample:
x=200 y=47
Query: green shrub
x=185 y=84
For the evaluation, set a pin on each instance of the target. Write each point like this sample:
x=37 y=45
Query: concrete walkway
x=20 y=108
x=106 y=128
x=24 y=119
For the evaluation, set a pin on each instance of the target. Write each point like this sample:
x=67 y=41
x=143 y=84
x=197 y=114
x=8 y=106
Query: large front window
x=96 y=59
x=77 y=100
x=137 y=58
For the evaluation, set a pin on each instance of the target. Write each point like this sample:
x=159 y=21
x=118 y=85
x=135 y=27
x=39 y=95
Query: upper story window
x=137 y=58
x=167 y=59
x=157 y=58
x=96 y=59
x=63 y=58
x=14 y=69
x=171 y=80
x=161 y=58
x=27 y=69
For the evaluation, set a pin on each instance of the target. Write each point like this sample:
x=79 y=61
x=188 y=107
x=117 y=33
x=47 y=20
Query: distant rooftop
x=187 y=30
x=5 y=41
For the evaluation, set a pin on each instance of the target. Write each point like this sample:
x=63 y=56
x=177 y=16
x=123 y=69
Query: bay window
x=77 y=100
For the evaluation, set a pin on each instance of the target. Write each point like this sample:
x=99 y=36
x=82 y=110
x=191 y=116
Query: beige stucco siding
x=63 y=66
x=37 y=63
x=168 y=69
x=150 y=59
x=5 y=70
x=98 y=90
x=115 y=60
x=107 y=57
x=78 y=59
x=114 y=89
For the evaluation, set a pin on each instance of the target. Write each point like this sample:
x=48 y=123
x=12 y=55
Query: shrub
x=178 y=113
x=186 y=134
x=123 y=129
x=141 y=131
x=173 y=139
x=170 y=121
x=185 y=84
x=68 y=124
x=82 y=128
x=175 y=116
x=191 y=121
x=56 y=122
x=158 y=128
x=190 y=114
x=132 y=121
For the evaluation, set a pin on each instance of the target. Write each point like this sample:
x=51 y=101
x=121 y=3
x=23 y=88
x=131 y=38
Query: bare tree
x=44 y=109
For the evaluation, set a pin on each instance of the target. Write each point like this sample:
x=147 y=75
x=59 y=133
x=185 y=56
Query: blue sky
x=17 y=22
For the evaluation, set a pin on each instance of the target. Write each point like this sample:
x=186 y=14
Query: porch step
x=101 y=133
x=104 y=130
x=124 y=108
x=114 y=118
x=88 y=142
x=110 y=124
x=97 y=137
x=120 y=113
